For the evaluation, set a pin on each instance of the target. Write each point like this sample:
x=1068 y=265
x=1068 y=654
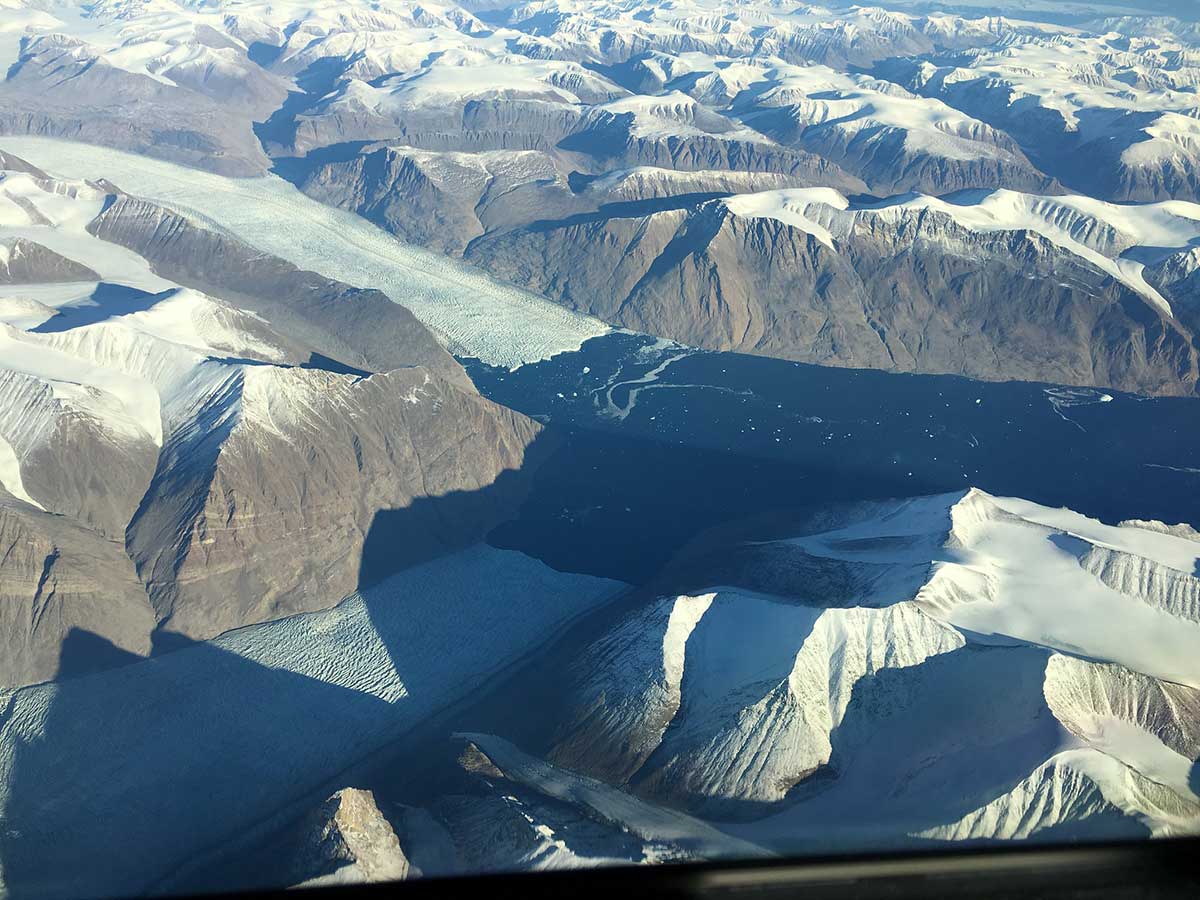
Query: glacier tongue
x=476 y=314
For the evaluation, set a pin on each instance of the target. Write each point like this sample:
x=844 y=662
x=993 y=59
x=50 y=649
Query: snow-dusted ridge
x=1106 y=235
x=137 y=376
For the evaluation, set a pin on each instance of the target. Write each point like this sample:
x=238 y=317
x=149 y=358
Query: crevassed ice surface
x=477 y=315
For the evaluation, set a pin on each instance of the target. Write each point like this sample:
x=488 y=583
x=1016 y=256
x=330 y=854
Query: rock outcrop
x=347 y=840
x=70 y=601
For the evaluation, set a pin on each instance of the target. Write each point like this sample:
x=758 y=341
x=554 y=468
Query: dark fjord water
x=660 y=442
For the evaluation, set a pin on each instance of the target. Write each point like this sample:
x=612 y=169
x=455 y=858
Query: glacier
x=475 y=314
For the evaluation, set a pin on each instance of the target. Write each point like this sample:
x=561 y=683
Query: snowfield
x=476 y=315
x=1013 y=569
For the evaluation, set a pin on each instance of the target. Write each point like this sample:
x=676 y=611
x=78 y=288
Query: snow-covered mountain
x=1124 y=101
x=934 y=679
x=453 y=127
x=949 y=667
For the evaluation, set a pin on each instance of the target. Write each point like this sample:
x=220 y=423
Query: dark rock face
x=444 y=201
x=362 y=329
x=918 y=295
x=474 y=126
x=266 y=512
x=102 y=494
x=70 y=600
x=27 y=262
x=1178 y=277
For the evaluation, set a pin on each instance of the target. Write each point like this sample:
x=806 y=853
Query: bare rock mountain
x=907 y=286
x=445 y=200
x=70 y=601
x=26 y=262
x=347 y=840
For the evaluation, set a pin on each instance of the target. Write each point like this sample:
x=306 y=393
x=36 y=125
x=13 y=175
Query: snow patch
x=10 y=474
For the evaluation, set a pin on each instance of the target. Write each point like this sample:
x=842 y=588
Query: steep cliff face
x=676 y=132
x=360 y=328
x=936 y=691
x=70 y=601
x=265 y=511
x=445 y=200
x=27 y=262
x=467 y=124
x=889 y=161
x=347 y=840
x=911 y=292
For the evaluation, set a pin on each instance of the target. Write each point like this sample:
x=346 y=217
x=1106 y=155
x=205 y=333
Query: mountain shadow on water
x=623 y=506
